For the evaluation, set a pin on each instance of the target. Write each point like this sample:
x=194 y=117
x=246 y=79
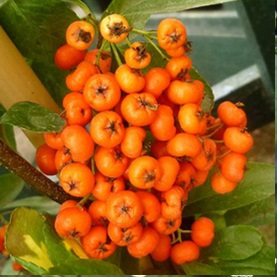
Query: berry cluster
x=137 y=141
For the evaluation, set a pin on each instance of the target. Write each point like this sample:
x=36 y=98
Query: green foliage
x=11 y=186
x=40 y=203
x=33 y=117
x=239 y=247
x=261 y=263
x=6 y=131
x=127 y=263
x=37 y=29
x=236 y=242
x=257 y=184
x=257 y=214
x=197 y=268
x=138 y=11
x=42 y=251
x=234 y=246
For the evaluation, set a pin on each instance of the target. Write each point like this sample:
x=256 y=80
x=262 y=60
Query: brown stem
x=33 y=177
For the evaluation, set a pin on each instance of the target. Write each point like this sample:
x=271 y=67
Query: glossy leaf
x=7 y=135
x=7 y=132
x=129 y=264
x=33 y=117
x=10 y=187
x=258 y=184
x=155 y=275
x=41 y=203
x=80 y=4
x=236 y=242
x=41 y=251
x=138 y=11
x=197 y=268
x=37 y=29
x=262 y=263
x=257 y=214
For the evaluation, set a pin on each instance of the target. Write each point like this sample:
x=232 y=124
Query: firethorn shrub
x=137 y=140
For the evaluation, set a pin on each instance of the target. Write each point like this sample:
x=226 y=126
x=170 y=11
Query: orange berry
x=238 y=139
x=114 y=28
x=145 y=245
x=222 y=185
x=231 y=114
x=184 y=252
x=77 y=179
x=171 y=33
x=73 y=222
x=80 y=34
x=233 y=166
x=124 y=209
x=202 y=231
x=144 y=172
x=162 y=252
x=183 y=144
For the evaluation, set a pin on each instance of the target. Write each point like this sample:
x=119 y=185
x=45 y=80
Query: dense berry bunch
x=137 y=141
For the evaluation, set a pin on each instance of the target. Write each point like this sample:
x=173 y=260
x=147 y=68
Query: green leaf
x=258 y=184
x=10 y=185
x=41 y=203
x=7 y=132
x=129 y=264
x=37 y=30
x=261 y=263
x=236 y=242
x=7 y=135
x=197 y=268
x=33 y=117
x=79 y=4
x=31 y=239
x=138 y=11
x=256 y=214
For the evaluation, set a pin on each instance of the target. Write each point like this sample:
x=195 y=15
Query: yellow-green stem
x=214 y=131
x=83 y=201
x=98 y=56
x=145 y=33
x=156 y=47
x=179 y=235
x=115 y=51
